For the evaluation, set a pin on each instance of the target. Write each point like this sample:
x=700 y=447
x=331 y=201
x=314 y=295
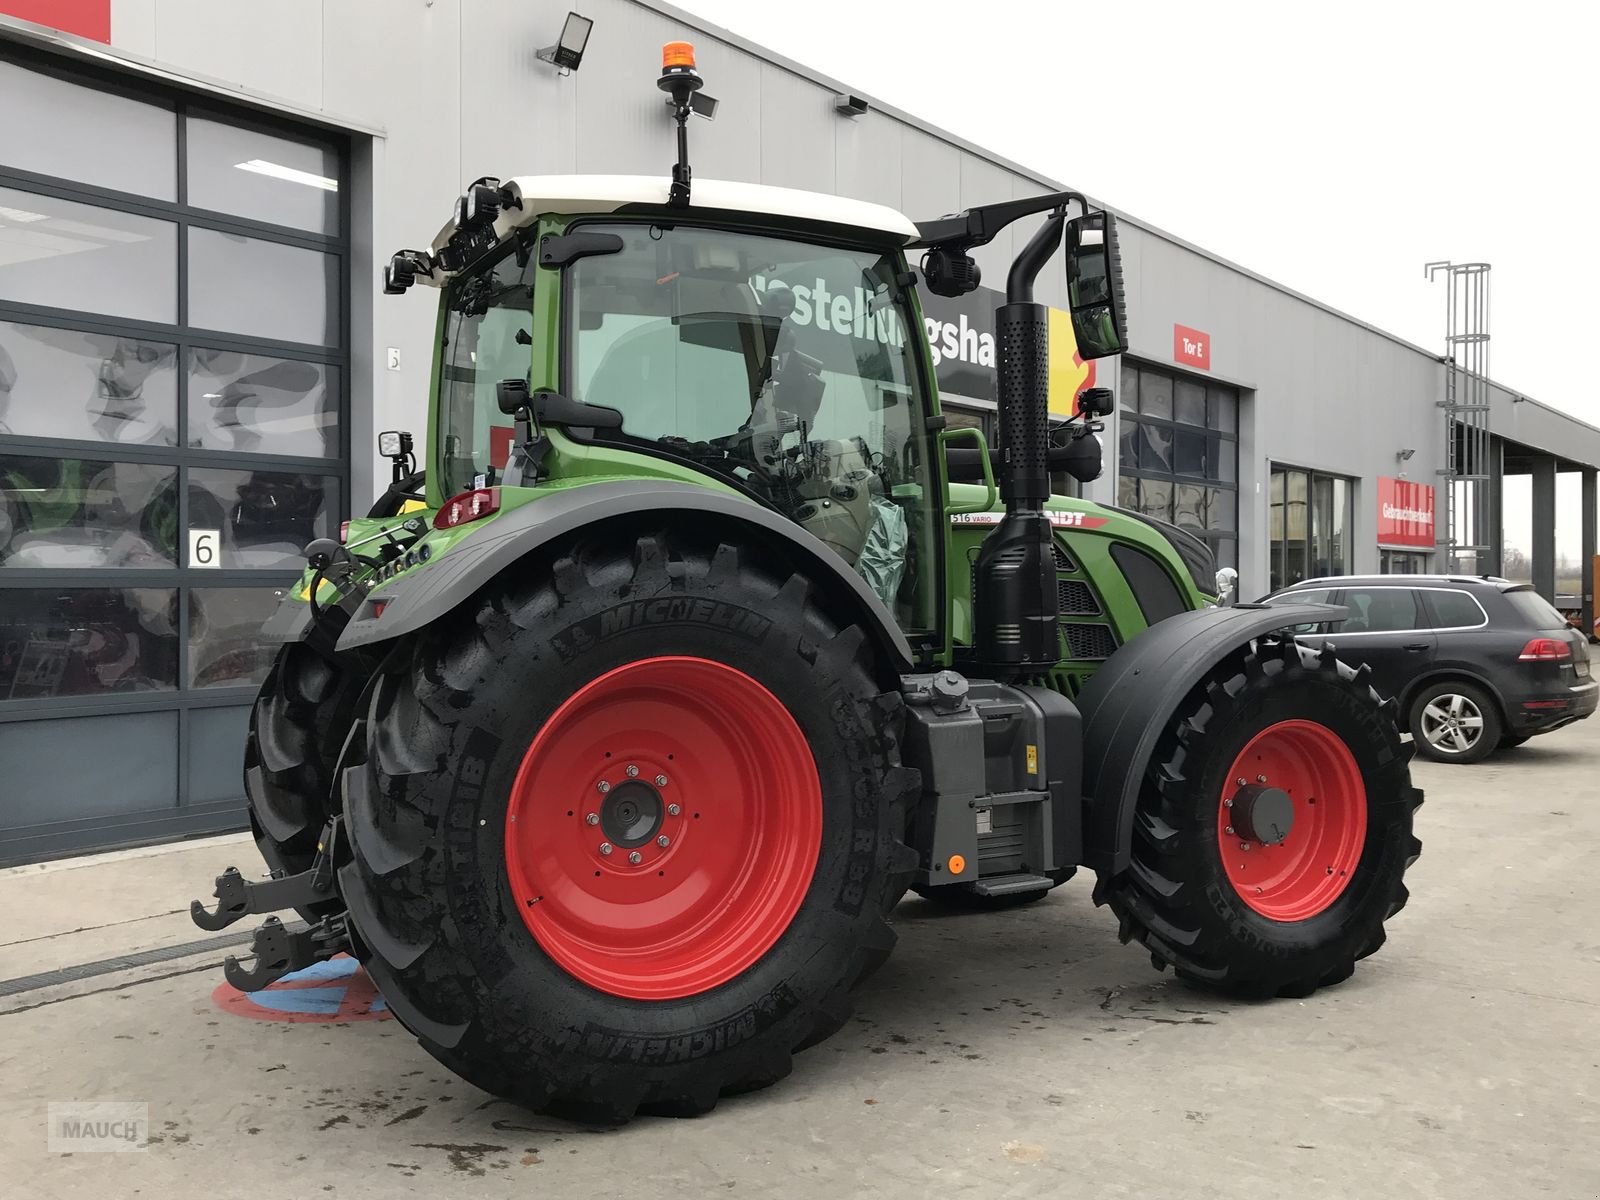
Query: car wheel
x=1455 y=723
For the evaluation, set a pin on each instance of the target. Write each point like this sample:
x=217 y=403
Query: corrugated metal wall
x=458 y=92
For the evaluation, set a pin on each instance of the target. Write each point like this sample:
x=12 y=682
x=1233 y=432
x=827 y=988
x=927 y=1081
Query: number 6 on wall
x=205 y=547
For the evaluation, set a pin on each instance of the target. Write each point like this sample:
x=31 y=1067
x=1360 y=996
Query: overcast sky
x=1332 y=147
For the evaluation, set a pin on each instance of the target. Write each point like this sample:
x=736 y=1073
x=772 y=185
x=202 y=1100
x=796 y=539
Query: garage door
x=172 y=432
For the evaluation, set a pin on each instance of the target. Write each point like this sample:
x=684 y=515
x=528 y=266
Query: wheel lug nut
x=1227 y=803
x=673 y=810
x=603 y=786
x=1244 y=845
x=593 y=819
x=635 y=857
x=605 y=847
x=1240 y=781
x=663 y=841
x=661 y=781
x=633 y=771
x=1261 y=778
x=1228 y=831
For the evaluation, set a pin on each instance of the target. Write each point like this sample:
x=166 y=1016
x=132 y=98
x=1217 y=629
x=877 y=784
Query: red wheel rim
x=735 y=797
x=1310 y=868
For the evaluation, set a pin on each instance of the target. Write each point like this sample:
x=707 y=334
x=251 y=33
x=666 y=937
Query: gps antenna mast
x=680 y=82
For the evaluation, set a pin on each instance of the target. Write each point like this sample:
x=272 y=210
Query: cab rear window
x=1534 y=611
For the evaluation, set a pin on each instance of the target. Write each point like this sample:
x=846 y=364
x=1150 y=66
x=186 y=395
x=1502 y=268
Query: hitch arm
x=238 y=897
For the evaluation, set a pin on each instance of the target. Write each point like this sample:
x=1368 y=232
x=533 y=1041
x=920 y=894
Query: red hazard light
x=1544 y=649
x=468 y=507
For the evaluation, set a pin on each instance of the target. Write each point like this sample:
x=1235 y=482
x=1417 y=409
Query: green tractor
x=609 y=742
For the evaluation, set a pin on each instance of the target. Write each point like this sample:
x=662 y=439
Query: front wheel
x=1273 y=828
x=626 y=834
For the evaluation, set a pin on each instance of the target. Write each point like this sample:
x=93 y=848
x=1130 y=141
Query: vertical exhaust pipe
x=1015 y=602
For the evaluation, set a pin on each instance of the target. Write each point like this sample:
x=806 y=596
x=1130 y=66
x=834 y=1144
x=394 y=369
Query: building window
x=1311 y=523
x=173 y=431
x=1178 y=455
x=1402 y=562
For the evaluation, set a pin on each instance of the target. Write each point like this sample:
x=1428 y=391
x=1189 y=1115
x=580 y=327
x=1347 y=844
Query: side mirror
x=1094 y=286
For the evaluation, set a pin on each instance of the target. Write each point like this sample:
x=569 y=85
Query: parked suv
x=1475 y=663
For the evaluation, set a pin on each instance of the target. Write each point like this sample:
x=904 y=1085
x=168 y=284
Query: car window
x=1304 y=596
x=1454 y=610
x=1535 y=611
x=1378 y=610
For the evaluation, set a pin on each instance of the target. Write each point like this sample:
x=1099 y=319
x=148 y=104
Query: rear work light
x=1545 y=650
x=468 y=507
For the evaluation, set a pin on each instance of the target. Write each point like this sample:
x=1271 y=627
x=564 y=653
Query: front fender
x=1129 y=702
x=417 y=599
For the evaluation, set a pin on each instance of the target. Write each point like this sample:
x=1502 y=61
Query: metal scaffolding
x=1465 y=539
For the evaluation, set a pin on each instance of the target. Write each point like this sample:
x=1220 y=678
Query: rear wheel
x=1273 y=828
x=681 y=777
x=1455 y=722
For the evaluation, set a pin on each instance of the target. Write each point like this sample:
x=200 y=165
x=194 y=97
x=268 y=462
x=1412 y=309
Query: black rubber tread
x=449 y=721
x=298 y=726
x=963 y=896
x=1488 y=742
x=1511 y=742
x=1175 y=897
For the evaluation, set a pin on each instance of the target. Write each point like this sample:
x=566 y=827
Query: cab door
x=1387 y=629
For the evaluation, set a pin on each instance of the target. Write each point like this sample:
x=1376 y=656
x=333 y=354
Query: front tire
x=1273 y=828
x=597 y=982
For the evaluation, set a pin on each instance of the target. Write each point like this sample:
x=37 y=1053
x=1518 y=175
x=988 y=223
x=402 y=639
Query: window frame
x=1278 y=548
x=1223 y=541
x=924 y=641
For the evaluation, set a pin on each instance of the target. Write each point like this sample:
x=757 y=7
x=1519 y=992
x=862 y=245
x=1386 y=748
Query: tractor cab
x=776 y=356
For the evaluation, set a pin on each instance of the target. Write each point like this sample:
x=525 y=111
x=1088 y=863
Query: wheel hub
x=1263 y=814
x=662 y=831
x=632 y=814
x=1292 y=820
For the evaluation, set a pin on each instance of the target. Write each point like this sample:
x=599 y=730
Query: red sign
x=86 y=18
x=1405 y=513
x=1191 y=346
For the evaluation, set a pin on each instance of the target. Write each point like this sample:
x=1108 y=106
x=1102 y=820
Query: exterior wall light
x=567 y=53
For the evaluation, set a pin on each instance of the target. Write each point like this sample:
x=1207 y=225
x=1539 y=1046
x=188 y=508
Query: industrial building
x=195 y=356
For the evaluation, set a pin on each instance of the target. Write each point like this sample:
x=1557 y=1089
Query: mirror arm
x=978 y=226
x=1027 y=265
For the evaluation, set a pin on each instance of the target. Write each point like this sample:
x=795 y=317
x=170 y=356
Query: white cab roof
x=607 y=193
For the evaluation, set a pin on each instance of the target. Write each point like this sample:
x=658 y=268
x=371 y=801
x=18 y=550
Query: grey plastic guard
x=423 y=595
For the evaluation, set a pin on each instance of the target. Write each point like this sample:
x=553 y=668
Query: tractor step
x=1010 y=885
x=278 y=950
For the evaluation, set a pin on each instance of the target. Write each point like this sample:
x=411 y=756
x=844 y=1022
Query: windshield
x=487 y=338
x=781 y=365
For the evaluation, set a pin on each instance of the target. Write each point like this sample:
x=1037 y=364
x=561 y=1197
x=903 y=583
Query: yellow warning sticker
x=1033 y=760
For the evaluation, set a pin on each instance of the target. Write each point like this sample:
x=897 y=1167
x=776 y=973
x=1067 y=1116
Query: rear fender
x=420 y=597
x=1129 y=702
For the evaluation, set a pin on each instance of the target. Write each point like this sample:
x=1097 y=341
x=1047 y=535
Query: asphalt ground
x=1012 y=1054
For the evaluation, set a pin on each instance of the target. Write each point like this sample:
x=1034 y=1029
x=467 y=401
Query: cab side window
x=1379 y=610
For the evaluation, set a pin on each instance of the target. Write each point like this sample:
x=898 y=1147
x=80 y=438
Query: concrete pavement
x=1013 y=1054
